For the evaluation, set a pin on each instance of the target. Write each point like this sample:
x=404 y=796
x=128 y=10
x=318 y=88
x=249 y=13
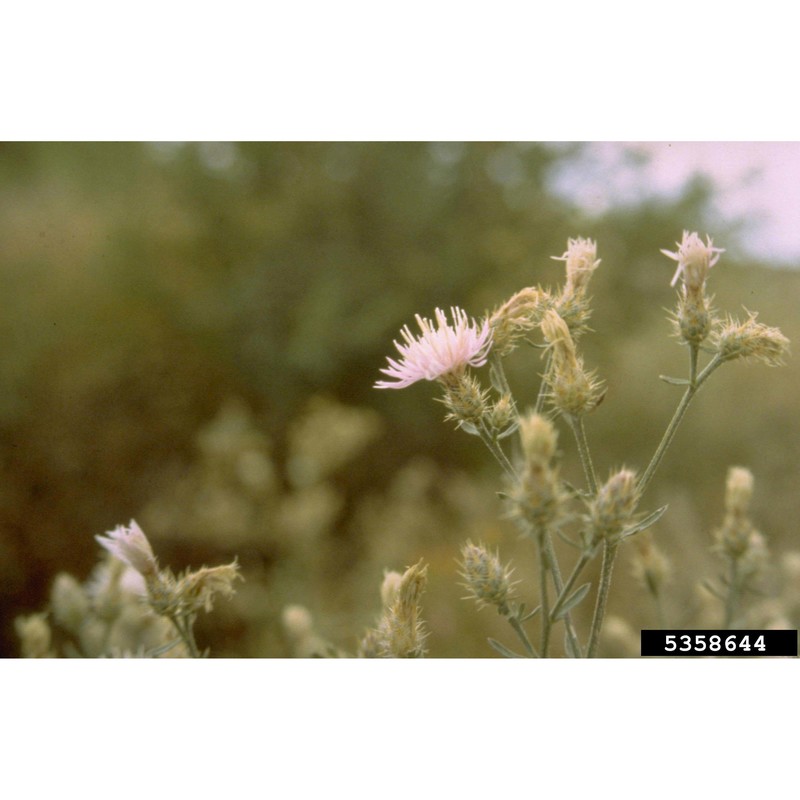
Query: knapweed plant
x=465 y=358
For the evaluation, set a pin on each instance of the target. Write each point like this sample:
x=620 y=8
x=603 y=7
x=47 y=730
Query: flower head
x=438 y=351
x=131 y=546
x=581 y=260
x=694 y=260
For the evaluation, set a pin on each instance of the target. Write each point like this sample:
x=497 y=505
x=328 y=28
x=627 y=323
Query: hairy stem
x=691 y=390
x=545 y=600
x=520 y=631
x=609 y=555
x=184 y=628
x=576 y=423
x=559 y=584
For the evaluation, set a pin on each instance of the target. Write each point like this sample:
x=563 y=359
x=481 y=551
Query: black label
x=719 y=643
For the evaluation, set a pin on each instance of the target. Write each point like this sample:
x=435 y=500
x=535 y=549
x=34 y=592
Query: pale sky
x=757 y=181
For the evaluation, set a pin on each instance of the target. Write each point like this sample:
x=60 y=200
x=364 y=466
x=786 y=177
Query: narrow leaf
x=570 y=602
x=530 y=614
x=649 y=520
x=495 y=379
x=502 y=649
x=469 y=428
x=164 y=648
x=674 y=381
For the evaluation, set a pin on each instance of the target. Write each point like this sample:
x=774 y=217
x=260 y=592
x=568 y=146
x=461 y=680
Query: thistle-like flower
x=438 y=352
x=694 y=260
x=581 y=261
x=130 y=545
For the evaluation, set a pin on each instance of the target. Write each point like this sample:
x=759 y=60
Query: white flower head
x=130 y=545
x=581 y=260
x=694 y=260
x=438 y=351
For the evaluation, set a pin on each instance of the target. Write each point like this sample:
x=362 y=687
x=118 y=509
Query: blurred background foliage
x=191 y=334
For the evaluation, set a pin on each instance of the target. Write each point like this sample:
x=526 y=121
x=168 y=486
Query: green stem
x=559 y=584
x=609 y=555
x=576 y=423
x=545 y=600
x=184 y=628
x=543 y=385
x=497 y=451
x=517 y=626
x=669 y=434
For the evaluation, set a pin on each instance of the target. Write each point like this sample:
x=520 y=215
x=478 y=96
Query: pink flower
x=131 y=546
x=437 y=352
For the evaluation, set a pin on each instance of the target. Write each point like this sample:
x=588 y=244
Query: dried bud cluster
x=539 y=499
x=400 y=633
x=750 y=339
x=581 y=262
x=573 y=390
x=573 y=305
x=519 y=315
x=613 y=507
x=487 y=580
x=736 y=535
x=191 y=592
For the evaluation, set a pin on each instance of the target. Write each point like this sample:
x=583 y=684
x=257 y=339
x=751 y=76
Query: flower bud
x=750 y=339
x=131 y=546
x=390 y=586
x=35 y=636
x=581 y=261
x=69 y=602
x=573 y=390
x=487 y=580
x=613 y=507
x=538 y=437
x=738 y=490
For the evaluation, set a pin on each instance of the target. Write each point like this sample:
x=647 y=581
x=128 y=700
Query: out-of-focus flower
x=694 y=260
x=130 y=545
x=438 y=351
